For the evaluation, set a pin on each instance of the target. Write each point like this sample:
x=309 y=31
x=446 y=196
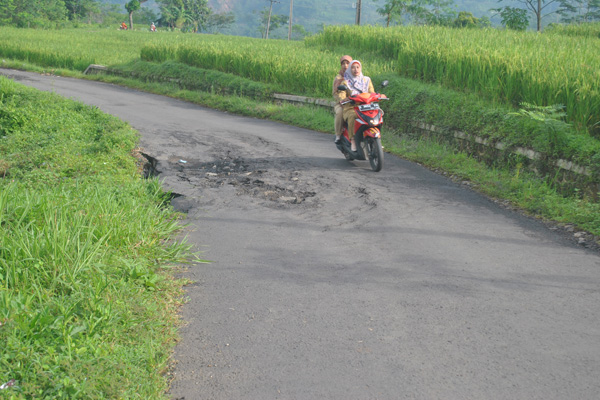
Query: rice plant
x=505 y=65
x=588 y=29
x=290 y=65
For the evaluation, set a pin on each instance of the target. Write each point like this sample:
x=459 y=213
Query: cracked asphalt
x=330 y=281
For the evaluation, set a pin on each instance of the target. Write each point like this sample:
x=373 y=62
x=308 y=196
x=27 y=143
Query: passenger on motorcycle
x=356 y=83
x=339 y=95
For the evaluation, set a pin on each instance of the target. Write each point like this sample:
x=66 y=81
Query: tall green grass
x=72 y=49
x=76 y=49
x=290 y=66
x=509 y=66
x=588 y=29
x=86 y=310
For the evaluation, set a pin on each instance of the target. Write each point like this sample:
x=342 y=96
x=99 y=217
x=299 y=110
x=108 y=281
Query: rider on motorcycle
x=339 y=96
x=356 y=83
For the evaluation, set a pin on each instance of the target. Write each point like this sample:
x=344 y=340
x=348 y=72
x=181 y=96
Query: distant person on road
x=356 y=83
x=339 y=95
x=153 y=27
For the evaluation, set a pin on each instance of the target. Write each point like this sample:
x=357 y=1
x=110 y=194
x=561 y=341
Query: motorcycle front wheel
x=375 y=153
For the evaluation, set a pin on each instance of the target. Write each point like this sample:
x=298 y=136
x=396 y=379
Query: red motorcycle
x=367 y=129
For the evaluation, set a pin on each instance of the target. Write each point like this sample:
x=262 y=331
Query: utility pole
x=269 y=20
x=358 y=7
x=290 y=26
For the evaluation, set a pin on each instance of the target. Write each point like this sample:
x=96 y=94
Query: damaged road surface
x=330 y=281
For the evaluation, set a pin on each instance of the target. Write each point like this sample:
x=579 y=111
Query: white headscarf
x=357 y=84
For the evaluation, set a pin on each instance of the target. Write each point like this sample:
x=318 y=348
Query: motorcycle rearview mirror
x=385 y=83
x=342 y=87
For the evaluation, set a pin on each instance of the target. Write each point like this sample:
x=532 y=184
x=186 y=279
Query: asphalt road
x=330 y=281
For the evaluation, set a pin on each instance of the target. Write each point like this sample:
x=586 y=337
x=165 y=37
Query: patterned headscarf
x=357 y=84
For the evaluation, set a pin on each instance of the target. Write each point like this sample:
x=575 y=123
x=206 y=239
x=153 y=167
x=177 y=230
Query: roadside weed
x=87 y=305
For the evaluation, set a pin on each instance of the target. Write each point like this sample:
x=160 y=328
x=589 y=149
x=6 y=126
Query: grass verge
x=87 y=298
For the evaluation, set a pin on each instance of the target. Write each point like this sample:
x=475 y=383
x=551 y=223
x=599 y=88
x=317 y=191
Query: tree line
x=41 y=13
x=515 y=16
x=187 y=15
x=198 y=16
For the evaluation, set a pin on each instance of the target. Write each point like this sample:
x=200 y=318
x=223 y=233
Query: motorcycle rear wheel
x=375 y=153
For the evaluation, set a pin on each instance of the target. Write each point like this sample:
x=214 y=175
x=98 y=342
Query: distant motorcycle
x=367 y=129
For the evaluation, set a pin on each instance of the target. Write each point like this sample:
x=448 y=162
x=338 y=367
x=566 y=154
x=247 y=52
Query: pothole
x=250 y=177
x=261 y=189
x=226 y=167
x=364 y=194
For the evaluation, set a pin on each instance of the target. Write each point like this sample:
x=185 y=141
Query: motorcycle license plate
x=368 y=107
